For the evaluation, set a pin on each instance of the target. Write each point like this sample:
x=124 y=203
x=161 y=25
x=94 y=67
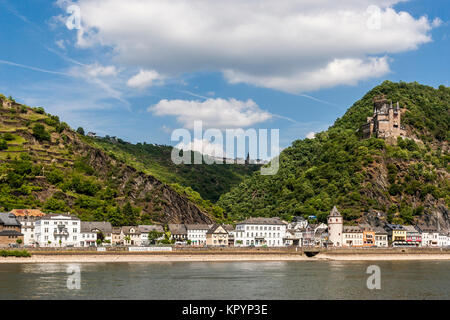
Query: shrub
x=15 y=253
x=40 y=133
x=3 y=145
x=8 y=136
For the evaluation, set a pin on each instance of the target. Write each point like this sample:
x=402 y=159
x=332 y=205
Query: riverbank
x=211 y=257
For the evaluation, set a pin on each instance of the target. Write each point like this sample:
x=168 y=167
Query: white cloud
x=292 y=45
x=96 y=70
x=203 y=146
x=144 y=79
x=310 y=135
x=214 y=113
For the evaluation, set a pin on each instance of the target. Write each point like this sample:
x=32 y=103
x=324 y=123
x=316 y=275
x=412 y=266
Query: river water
x=225 y=280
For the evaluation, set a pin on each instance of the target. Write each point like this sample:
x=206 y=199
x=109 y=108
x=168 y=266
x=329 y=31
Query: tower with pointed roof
x=335 y=227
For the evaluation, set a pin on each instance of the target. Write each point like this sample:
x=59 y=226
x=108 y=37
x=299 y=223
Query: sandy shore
x=154 y=258
x=381 y=257
x=218 y=257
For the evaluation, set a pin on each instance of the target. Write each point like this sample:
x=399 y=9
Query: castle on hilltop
x=385 y=121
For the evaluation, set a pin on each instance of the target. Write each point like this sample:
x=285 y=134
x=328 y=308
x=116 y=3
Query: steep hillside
x=44 y=164
x=406 y=181
x=210 y=181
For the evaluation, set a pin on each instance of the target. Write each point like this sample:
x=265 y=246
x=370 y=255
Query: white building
x=260 y=231
x=381 y=237
x=146 y=229
x=352 y=236
x=335 y=227
x=93 y=230
x=196 y=233
x=443 y=240
x=131 y=235
x=430 y=236
x=298 y=223
x=57 y=230
x=27 y=218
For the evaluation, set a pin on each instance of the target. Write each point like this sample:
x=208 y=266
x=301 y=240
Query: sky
x=139 y=69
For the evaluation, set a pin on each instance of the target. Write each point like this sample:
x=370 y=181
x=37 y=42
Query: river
x=225 y=280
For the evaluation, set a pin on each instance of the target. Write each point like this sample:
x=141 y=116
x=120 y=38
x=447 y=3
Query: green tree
x=153 y=236
x=40 y=133
x=80 y=130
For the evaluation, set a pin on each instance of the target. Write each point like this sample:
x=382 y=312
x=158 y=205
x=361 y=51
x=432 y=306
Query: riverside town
x=32 y=228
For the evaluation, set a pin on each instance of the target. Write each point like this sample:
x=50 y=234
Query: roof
x=27 y=212
x=198 y=226
x=127 y=230
x=177 y=229
x=366 y=227
x=116 y=230
x=298 y=219
x=427 y=229
x=214 y=228
x=10 y=233
x=103 y=226
x=228 y=227
x=148 y=228
x=9 y=219
x=410 y=229
x=271 y=221
x=53 y=215
x=379 y=230
x=335 y=212
x=395 y=227
x=352 y=229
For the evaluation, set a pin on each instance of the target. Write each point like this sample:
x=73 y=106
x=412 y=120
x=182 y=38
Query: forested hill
x=44 y=164
x=210 y=181
x=368 y=179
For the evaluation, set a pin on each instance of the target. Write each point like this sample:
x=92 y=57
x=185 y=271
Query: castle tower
x=335 y=227
x=385 y=122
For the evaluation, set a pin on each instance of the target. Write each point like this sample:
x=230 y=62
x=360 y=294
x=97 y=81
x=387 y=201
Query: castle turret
x=335 y=227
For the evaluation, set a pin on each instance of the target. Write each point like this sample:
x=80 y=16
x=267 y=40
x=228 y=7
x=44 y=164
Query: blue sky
x=139 y=69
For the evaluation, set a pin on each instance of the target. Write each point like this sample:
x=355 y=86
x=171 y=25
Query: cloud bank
x=293 y=46
x=214 y=113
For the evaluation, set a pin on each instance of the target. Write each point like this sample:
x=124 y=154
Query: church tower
x=335 y=227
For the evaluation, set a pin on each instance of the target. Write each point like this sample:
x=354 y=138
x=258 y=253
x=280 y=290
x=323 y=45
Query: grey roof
x=9 y=219
x=395 y=227
x=410 y=229
x=366 y=227
x=352 y=229
x=89 y=226
x=127 y=230
x=427 y=229
x=148 y=228
x=215 y=227
x=379 y=230
x=298 y=219
x=268 y=221
x=198 y=226
x=116 y=230
x=10 y=233
x=228 y=227
x=177 y=229
x=335 y=212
